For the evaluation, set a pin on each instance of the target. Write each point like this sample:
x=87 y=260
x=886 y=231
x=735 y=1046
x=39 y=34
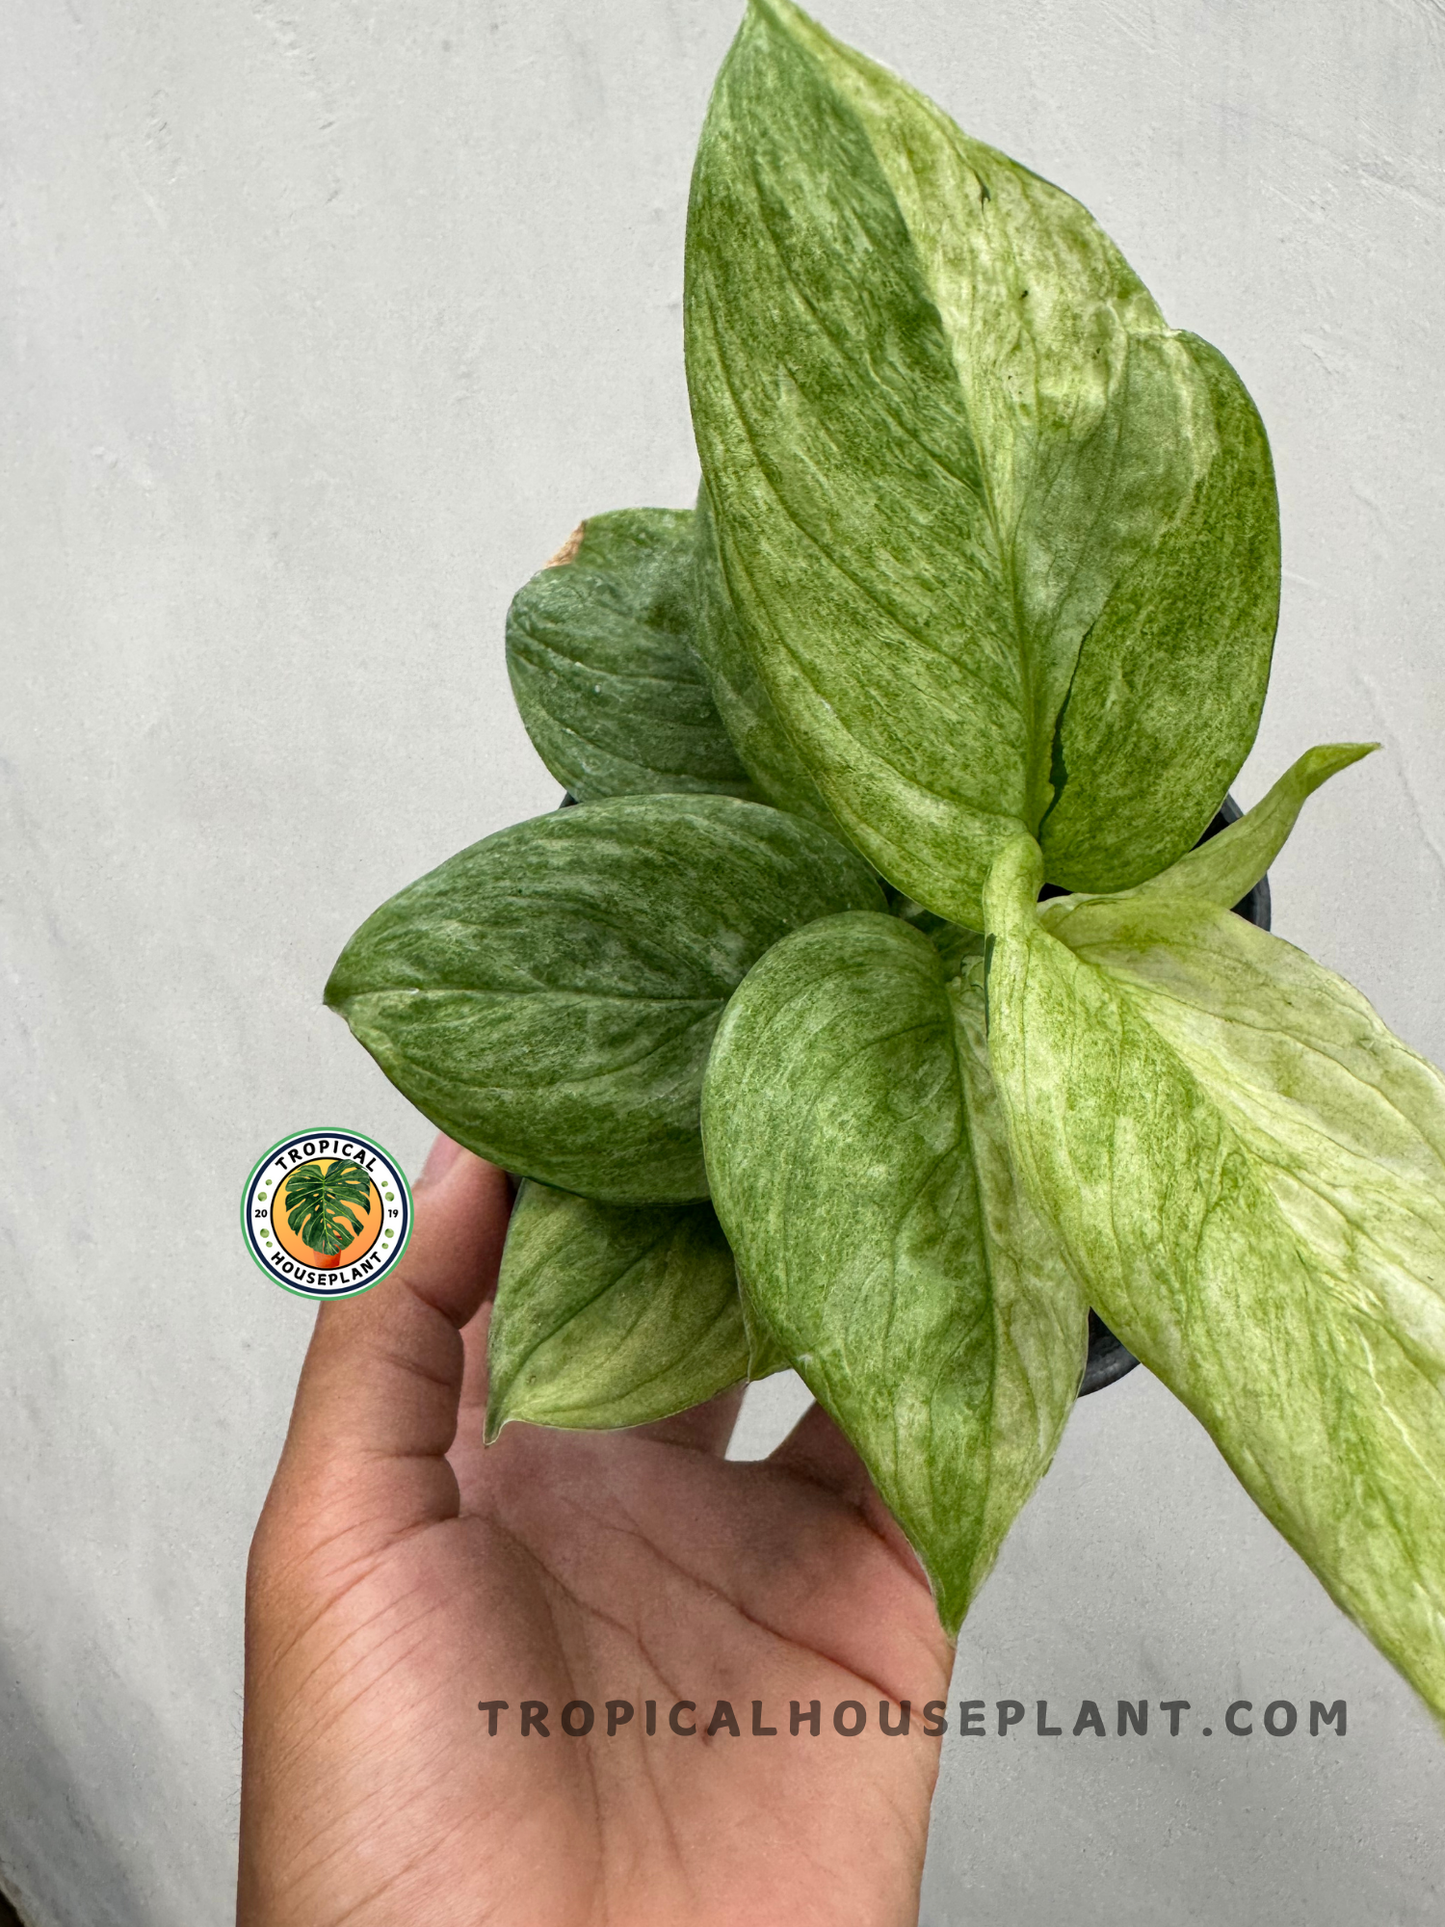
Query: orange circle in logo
x=370 y=1220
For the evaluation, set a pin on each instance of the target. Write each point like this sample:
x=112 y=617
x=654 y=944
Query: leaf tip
x=951 y=1604
x=1328 y=759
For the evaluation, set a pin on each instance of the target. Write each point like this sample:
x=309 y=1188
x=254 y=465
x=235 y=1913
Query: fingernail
x=439 y=1160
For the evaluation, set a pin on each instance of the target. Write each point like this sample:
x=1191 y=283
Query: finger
x=474 y=1364
x=457 y=1272
x=474 y=1343
x=383 y=1375
x=706 y=1428
x=817 y=1450
x=467 y=1457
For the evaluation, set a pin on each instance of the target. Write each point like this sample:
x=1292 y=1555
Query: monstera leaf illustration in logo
x=319 y=1201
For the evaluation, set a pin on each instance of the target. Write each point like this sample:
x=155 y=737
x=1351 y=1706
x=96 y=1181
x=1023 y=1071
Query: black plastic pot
x=1109 y=1357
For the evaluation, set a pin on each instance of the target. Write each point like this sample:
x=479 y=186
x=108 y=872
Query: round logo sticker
x=326 y=1214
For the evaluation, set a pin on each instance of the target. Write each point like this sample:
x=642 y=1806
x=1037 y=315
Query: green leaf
x=599 y=648
x=610 y=1315
x=1002 y=546
x=318 y=1200
x=745 y=706
x=1247 y=1170
x=765 y=1355
x=858 y=1165
x=957 y=947
x=548 y=997
x=1226 y=868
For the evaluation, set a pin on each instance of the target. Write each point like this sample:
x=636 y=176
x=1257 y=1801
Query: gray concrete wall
x=323 y=323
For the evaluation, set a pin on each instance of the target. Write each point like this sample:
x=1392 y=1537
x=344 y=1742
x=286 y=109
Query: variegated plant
x=799 y=1066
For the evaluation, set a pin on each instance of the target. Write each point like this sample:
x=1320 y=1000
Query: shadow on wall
x=44 y=1832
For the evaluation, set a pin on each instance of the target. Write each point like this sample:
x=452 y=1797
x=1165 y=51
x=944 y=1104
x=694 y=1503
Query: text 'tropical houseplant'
x=875 y=1012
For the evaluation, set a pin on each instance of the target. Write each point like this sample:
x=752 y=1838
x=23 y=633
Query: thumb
x=376 y=1406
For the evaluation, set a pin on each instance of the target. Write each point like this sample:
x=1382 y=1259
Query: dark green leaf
x=599 y=648
x=957 y=946
x=1002 y=546
x=858 y=1166
x=548 y=997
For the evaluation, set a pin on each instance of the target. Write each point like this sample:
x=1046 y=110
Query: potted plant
x=879 y=1010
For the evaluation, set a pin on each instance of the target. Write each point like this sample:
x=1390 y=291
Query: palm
x=633 y=1567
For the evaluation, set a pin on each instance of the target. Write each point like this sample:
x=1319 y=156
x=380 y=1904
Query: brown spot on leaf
x=568 y=550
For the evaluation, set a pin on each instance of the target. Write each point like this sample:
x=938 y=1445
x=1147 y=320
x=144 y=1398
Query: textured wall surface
x=323 y=323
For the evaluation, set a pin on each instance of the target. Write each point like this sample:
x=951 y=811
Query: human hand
x=400 y=1574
